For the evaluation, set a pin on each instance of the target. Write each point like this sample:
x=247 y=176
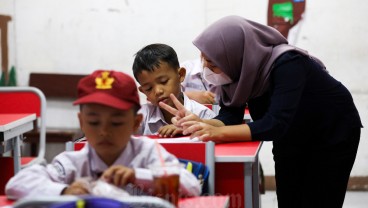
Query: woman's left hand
x=203 y=131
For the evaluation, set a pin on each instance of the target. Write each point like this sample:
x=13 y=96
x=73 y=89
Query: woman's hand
x=119 y=175
x=207 y=132
x=203 y=131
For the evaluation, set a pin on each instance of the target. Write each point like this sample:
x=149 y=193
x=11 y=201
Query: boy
x=156 y=68
x=195 y=86
x=108 y=116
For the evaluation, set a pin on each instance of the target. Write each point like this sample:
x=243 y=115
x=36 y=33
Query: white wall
x=79 y=36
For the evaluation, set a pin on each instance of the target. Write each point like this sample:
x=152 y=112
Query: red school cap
x=108 y=87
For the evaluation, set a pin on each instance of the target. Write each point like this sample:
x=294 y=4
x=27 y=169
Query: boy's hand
x=169 y=131
x=76 y=188
x=119 y=175
x=203 y=97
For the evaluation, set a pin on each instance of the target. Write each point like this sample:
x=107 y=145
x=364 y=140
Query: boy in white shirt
x=157 y=70
x=195 y=86
x=108 y=117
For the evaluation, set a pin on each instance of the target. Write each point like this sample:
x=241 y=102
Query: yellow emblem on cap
x=104 y=82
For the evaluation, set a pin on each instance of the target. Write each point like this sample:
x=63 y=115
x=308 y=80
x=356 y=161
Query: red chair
x=203 y=152
x=23 y=100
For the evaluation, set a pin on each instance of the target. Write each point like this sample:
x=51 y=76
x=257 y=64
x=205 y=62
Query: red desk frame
x=242 y=159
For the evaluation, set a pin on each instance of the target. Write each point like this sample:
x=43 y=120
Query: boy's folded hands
x=170 y=131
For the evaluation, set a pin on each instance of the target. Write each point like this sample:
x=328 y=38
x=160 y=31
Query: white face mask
x=215 y=79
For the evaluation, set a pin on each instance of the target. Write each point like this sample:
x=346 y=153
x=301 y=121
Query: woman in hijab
x=294 y=102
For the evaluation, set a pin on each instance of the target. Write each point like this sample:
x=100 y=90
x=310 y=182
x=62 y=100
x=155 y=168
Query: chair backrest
x=202 y=152
x=26 y=100
x=214 y=107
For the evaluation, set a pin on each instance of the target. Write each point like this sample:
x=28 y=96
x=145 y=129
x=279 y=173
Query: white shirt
x=153 y=118
x=194 y=80
x=51 y=179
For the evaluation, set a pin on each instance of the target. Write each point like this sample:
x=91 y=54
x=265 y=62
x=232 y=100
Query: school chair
x=197 y=153
x=214 y=107
x=23 y=100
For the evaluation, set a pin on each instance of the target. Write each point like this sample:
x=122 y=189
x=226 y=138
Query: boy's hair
x=107 y=87
x=151 y=56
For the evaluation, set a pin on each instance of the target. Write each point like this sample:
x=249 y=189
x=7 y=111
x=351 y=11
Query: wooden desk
x=235 y=164
x=12 y=126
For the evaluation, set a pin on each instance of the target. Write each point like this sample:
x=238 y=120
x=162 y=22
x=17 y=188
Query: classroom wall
x=79 y=36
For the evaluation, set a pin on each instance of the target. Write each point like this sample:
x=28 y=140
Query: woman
x=308 y=115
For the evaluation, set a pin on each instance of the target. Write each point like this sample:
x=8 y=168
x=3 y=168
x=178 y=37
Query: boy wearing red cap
x=108 y=117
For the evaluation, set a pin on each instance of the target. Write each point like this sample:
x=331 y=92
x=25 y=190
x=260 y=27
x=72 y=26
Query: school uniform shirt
x=153 y=118
x=52 y=179
x=194 y=80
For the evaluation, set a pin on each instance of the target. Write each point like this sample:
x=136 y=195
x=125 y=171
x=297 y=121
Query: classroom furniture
x=203 y=152
x=237 y=172
x=247 y=118
x=236 y=169
x=59 y=89
x=27 y=100
x=12 y=126
x=216 y=108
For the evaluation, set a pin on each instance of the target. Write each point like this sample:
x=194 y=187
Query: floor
x=353 y=199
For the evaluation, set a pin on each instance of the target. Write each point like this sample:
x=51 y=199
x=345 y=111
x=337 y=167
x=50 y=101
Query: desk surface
x=237 y=151
x=205 y=201
x=9 y=121
x=227 y=152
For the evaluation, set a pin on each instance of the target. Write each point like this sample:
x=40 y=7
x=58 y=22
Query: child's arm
x=35 y=180
x=45 y=180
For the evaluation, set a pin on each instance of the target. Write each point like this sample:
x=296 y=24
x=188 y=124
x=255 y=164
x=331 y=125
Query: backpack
x=200 y=171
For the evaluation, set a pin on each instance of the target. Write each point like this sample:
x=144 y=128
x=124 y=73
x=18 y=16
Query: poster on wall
x=284 y=14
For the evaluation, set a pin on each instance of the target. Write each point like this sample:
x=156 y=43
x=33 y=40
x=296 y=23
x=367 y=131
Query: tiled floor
x=353 y=199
